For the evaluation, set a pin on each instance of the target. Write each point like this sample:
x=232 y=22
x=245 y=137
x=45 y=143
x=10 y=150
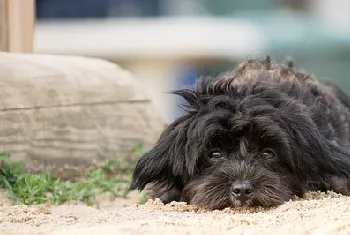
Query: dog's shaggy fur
x=256 y=136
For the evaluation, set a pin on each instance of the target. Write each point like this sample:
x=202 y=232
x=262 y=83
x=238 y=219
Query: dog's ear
x=337 y=176
x=165 y=162
x=340 y=159
x=151 y=166
x=310 y=150
x=320 y=157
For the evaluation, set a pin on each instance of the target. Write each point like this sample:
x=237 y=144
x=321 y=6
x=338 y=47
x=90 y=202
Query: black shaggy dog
x=256 y=136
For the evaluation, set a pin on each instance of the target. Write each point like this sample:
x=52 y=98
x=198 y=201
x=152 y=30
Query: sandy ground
x=318 y=214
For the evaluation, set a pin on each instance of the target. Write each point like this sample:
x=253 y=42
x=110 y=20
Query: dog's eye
x=215 y=154
x=268 y=154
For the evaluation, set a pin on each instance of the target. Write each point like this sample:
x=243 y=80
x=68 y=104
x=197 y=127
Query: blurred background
x=167 y=44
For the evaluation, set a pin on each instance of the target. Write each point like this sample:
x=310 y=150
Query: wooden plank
x=17 y=21
x=31 y=81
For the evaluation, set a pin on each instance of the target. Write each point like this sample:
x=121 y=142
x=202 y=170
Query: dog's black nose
x=242 y=190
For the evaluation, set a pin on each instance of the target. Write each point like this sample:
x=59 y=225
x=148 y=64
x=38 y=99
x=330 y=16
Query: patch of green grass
x=29 y=188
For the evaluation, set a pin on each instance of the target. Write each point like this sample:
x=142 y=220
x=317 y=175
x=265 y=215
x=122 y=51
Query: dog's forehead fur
x=244 y=93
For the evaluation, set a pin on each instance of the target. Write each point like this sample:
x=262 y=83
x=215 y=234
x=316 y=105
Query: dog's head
x=242 y=141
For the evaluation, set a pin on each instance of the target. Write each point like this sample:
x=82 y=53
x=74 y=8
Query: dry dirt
x=318 y=214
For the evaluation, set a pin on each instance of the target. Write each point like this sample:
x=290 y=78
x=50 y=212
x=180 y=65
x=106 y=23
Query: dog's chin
x=214 y=190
